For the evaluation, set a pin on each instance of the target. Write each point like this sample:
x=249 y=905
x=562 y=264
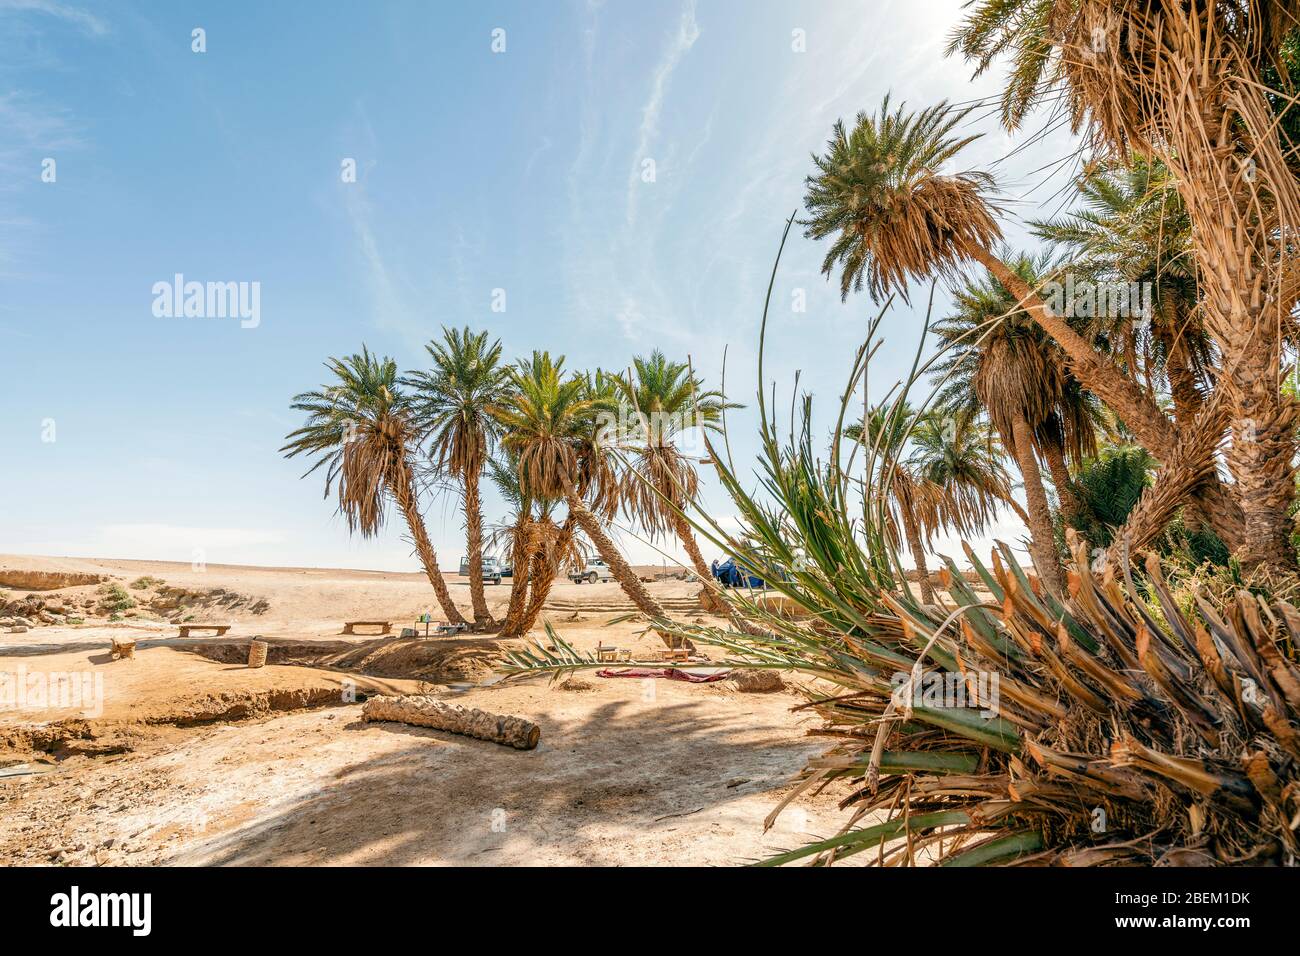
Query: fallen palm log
x=424 y=711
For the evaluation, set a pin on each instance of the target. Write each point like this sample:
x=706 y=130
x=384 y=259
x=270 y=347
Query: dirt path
x=193 y=758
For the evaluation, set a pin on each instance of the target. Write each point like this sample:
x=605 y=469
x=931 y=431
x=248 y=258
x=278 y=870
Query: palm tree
x=552 y=421
x=1109 y=488
x=537 y=545
x=660 y=400
x=959 y=454
x=1133 y=228
x=1219 y=127
x=450 y=403
x=361 y=429
x=878 y=191
x=951 y=476
x=1000 y=362
x=885 y=431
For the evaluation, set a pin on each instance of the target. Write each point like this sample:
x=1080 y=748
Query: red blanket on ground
x=669 y=673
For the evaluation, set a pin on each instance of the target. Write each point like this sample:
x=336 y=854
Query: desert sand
x=190 y=757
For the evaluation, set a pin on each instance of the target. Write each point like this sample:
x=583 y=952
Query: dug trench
x=183 y=684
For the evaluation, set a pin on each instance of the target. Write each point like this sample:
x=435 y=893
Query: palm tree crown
x=359 y=429
x=879 y=191
x=451 y=400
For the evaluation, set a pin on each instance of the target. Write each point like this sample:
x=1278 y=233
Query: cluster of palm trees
x=1195 y=211
x=598 y=445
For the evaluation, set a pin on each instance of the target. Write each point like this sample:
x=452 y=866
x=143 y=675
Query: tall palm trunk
x=1187 y=398
x=1105 y=380
x=913 y=533
x=1061 y=481
x=1041 y=539
x=405 y=494
x=618 y=567
x=474 y=545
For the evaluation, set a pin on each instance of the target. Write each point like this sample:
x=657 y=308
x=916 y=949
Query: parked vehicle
x=732 y=575
x=596 y=570
x=493 y=570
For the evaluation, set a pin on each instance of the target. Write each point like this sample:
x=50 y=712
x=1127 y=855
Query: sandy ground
x=189 y=757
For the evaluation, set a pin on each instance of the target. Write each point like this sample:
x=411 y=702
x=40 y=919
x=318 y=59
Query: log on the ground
x=122 y=650
x=424 y=711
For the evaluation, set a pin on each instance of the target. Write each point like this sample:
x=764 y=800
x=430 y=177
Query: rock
x=757 y=681
x=18 y=629
x=7 y=622
x=23 y=622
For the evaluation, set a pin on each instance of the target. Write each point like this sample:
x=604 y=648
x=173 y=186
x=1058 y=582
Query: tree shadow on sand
x=450 y=799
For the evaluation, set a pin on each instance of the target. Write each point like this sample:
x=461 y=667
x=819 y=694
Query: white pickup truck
x=596 y=570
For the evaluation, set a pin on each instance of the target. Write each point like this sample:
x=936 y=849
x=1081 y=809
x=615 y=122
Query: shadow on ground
x=624 y=772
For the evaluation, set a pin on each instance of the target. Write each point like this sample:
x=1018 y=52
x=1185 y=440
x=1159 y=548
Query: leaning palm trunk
x=1042 y=540
x=474 y=545
x=404 y=491
x=542 y=574
x=618 y=567
x=1128 y=401
x=550 y=550
x=710 y=597
x=521 y=561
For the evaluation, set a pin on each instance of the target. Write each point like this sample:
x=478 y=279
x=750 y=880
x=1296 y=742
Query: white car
x=493 y=570
x=596 y=570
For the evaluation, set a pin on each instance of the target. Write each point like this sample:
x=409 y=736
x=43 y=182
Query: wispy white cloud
x=389 y=307
x=688 y=31
x=543 y=147
x=82 y=19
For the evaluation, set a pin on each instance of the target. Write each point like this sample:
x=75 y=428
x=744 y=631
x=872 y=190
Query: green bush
x=115 y=598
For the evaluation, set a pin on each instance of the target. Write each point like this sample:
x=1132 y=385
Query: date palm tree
x=1133 y=231
x=361 y=430
x=1133 y=228
x=1188 y=84
x=885 y=431
x=1002 y=363
x=450 y=402
x=552 y=421
x=537 y=545
x=879 y=192
x=660 y=400
x=959 y=454
x=947 y=474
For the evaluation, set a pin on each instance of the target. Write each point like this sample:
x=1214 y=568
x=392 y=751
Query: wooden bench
x=384 y=626
x=219 y=628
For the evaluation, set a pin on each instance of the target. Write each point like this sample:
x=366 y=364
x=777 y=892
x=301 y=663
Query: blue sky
x=477 y=171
